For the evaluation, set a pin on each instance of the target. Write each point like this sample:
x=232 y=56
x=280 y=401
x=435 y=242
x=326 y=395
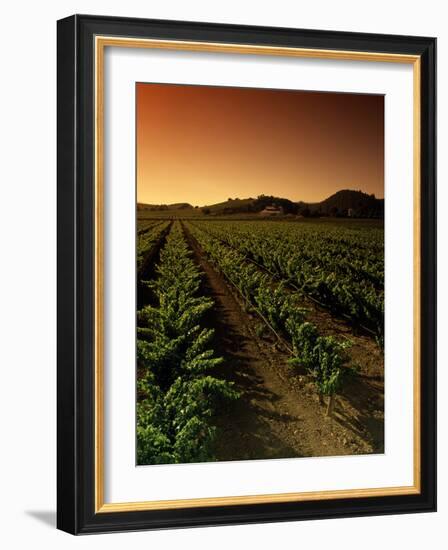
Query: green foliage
x=323 y=356
x=148 y=236
x=278 y=306
x=341 y=268
x=303 y=337
x=177 y=396
x=330 y=359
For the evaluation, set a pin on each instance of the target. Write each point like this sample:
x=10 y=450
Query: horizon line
x=254 y=198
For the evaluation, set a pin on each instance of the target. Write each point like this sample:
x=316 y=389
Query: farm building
x=272 y=210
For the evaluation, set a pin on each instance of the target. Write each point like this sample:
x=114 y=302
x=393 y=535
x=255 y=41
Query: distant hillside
x=229 y=206
x=350 y=202
x=344 y=203
x=162 y=207
x=250 y=206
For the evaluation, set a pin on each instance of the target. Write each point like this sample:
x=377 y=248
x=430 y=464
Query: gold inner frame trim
x=101 y=42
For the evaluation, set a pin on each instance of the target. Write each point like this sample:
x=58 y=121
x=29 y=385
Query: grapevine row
x=177 y=395
x=147 y=237
x=323 y=356
x=342 y=269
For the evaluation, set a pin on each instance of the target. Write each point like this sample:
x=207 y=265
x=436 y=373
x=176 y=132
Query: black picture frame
x=76 y=271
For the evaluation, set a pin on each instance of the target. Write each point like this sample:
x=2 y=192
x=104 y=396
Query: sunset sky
x=201 y=144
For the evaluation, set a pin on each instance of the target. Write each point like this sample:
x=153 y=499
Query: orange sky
x=201 y=144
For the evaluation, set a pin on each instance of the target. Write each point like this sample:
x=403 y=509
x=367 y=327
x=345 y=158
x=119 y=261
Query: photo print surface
x=260 y=274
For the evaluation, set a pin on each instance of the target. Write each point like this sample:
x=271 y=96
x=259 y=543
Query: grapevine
x=177 y=393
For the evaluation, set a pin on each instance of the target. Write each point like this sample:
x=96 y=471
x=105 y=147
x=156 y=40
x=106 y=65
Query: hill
x=344 y=203
x=350 y=202
x=250 y=206
x=162 y=207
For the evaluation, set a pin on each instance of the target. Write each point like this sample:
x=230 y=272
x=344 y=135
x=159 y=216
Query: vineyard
x=258 y=339
x=342 y=269
x=148 y=237
x=176 y=393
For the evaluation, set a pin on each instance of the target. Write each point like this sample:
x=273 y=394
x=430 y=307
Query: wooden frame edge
x=417 y=269
x=100 y=507
x=255 y=499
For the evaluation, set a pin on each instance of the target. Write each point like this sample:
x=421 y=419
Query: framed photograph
x=246 y=274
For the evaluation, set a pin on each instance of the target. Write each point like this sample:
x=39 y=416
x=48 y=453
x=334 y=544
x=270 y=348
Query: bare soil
x=279 y=414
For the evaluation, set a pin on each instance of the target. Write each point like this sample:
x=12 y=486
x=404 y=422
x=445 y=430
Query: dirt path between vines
x=278 y=414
